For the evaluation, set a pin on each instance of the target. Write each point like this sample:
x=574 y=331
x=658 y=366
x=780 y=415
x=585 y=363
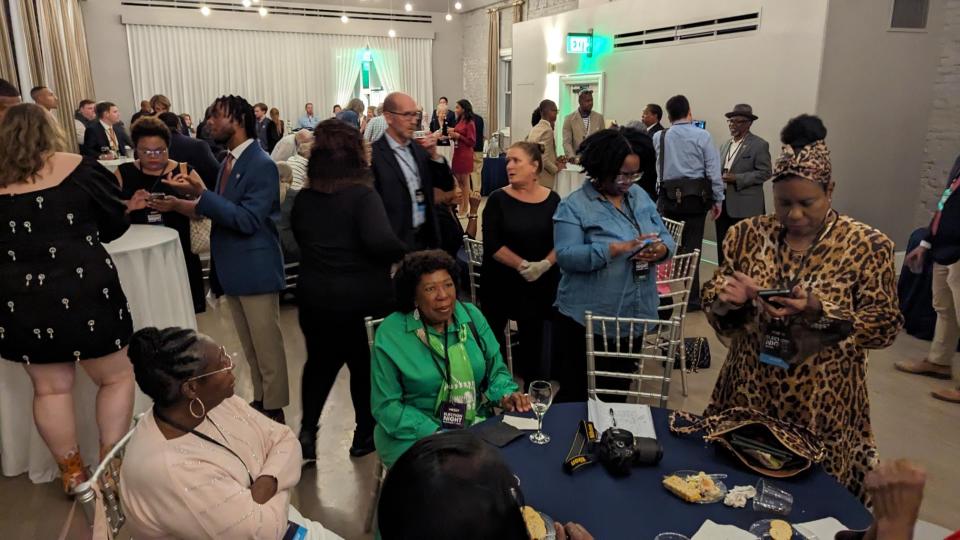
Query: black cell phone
x=767 y=294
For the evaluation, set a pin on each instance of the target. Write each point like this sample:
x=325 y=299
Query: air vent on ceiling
x=224 y=6
x=691 y=31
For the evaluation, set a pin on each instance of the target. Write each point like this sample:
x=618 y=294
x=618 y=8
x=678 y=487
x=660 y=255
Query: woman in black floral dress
x=61 y=300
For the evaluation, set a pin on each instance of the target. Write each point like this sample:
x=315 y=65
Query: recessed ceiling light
x=392 y=33
x=458 y=5
x=344 y=19
x=408 y=7
x=205 y=11
x=247 y=3
x=448 y=17
x=263 y=11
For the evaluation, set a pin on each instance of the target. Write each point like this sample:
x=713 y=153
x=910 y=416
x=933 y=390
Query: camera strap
x=581 y=451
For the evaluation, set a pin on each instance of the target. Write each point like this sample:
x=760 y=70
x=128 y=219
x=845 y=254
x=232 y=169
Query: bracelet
x=471 y=216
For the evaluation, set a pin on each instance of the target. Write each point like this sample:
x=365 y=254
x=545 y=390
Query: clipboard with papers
x=633 y=417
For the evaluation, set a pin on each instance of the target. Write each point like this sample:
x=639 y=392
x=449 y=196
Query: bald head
x=400 y=111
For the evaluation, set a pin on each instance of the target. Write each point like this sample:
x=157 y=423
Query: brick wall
x=943 y=126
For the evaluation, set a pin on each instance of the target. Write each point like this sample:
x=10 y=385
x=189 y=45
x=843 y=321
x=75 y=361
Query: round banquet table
x=113 y=164
x=569 y=180
x=447 y=152
x=149 y=261
x=638 y=506
x=494 y=175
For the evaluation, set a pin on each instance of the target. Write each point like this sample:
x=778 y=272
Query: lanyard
x=627 y=215
x=439 y=362
x=781 y=239
x=205 y=437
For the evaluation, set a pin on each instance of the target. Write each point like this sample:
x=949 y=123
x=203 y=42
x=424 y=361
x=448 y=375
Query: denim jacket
x=583 y=227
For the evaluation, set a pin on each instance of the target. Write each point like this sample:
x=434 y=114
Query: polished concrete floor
x=339 y=490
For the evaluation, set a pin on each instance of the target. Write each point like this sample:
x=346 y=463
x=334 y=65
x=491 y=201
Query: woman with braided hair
x=801 y=356
x=203 y=463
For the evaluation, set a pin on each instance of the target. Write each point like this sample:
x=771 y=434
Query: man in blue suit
x=246 y=261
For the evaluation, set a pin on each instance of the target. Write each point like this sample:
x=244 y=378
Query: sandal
x=72 y=471
x=951 y=395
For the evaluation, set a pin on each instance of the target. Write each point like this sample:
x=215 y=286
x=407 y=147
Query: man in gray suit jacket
x=745 y=159
x=580 y=124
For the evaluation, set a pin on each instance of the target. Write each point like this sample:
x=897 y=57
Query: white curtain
x=405 y=65
x=193 y=66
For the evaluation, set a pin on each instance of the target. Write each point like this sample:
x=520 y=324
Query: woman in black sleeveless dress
x=144 y=177
x=61 y=300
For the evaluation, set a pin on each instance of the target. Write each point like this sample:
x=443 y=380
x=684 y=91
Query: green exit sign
x=580 y=44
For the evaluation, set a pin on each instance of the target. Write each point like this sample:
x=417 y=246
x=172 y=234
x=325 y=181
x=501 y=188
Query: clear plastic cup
x=670 y=536
x=772 y=499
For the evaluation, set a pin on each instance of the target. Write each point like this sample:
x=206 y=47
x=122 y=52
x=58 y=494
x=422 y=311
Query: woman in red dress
x=465 y=137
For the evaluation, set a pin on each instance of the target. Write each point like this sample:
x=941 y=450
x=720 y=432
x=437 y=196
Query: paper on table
x=520 y=422
x=824 y=529
x=714 y=531
x=632 y=417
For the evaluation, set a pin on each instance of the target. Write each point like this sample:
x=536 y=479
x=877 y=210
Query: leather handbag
x=200 y=235
x=696 y=350
x=766 y=445
x=682 y=195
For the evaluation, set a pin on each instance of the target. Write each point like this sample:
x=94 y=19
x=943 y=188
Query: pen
x=612 y=417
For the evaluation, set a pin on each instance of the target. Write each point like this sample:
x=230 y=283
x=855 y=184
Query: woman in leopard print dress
x=841 y=272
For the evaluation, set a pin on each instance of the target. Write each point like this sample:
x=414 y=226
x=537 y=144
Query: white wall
x=875 y=97
x=110 y=61
x=776 y=69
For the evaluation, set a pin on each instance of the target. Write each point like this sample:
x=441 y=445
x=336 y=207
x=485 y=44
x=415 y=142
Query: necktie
x=225 y=175
x=113 y=139
x=935 y=223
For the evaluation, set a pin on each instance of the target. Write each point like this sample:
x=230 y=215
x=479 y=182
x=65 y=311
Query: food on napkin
x=693 y=488
x=536 y=526
x=738 y=496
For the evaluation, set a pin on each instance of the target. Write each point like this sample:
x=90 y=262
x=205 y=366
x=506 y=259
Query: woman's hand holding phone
x=799 y=301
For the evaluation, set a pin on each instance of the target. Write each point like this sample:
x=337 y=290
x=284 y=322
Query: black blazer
x=946 y=244
x=392 y=187
x=96 y=138
x=478 y=124
x=197 y=154
x=435 y=123
x=654 y=128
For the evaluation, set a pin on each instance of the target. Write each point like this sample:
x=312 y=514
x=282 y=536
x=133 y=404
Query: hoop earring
x=203 y=410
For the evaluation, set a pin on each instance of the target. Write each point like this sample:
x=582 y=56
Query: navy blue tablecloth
x=494 y=175
x=638 y=507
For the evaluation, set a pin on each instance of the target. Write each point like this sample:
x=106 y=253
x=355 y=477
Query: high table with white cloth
x=569 y=180
x=447 y=152
x=153 y=275
x=113 y=164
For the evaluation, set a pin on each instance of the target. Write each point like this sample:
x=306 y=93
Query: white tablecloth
x=569 y=180
x=113 y=164
x=447 y=152
x=153 y=275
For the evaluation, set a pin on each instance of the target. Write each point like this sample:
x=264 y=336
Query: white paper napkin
x=714 y=531
x=823 y=529
x=520 y=422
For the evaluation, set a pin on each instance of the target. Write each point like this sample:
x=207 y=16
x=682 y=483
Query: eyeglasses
x=737 y=121
x=223 y=357
x=412 y=114
x=628 y=178
x=152 y=152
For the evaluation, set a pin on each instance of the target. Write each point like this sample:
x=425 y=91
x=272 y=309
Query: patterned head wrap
x=811 y=162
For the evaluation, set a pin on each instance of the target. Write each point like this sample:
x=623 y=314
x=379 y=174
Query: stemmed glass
x=541 y=397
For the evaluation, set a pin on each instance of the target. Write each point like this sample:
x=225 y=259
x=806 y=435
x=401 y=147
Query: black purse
x=697 y=352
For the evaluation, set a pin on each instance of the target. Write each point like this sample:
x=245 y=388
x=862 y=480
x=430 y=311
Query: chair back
x=674 y=282
x=675 y=228
x=371 y=325
x=107 y=476
x=642 y=350
x=474 y=250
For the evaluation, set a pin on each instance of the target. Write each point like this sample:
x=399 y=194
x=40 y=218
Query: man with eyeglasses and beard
x=407 y=170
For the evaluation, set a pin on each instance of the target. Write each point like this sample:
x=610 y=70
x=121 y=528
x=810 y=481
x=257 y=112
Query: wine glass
x=541 y=396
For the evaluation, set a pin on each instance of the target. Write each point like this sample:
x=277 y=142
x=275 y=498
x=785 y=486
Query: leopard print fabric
x=811 y=162
x=851 y=270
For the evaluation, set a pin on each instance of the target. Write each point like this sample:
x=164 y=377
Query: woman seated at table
x=141 y=183
x=436 y=363
x=519 y=273
x=62 y=305
x=202 y=463
x=606 y=264
x=842 y=301
x=466 y=479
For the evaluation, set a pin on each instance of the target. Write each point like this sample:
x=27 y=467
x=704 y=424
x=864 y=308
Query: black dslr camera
x=617 y=449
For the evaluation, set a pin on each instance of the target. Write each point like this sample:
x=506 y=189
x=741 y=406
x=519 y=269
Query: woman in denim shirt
x=608 y=237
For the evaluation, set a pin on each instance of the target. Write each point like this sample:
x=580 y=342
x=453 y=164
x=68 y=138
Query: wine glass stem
x=539 y=425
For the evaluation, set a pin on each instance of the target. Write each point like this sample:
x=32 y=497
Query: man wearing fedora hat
x=746 y=166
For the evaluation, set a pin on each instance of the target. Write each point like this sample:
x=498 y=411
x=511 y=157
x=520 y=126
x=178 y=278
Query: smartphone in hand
x=767 y=294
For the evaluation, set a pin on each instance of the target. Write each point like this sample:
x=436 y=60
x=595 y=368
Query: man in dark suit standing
x=745 y=162
x=104 y=137
x=652 y=114
x=406 y=172
x=943 y=243
x=192 y=151
x=246 y=261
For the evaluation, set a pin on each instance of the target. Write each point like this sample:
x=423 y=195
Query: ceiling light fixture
x=458 y=6
x=391 y=32
x=247 y=3
x=263 y=11
x=205 y=11
x=448 y=17
x=344 y=19
x=408 y=7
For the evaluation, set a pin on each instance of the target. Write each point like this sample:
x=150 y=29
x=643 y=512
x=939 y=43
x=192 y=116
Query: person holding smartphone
x=608 y=239
x=800 y=354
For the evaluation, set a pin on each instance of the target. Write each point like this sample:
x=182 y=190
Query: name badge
x=452 y=415
x=155 y=218
x=421 y=200
x=777 y=346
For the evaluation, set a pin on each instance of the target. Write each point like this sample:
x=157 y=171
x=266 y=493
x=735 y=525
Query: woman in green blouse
x=436 y=363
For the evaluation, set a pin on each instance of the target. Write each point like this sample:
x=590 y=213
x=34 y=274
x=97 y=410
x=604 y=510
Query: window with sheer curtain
x=193 y=66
